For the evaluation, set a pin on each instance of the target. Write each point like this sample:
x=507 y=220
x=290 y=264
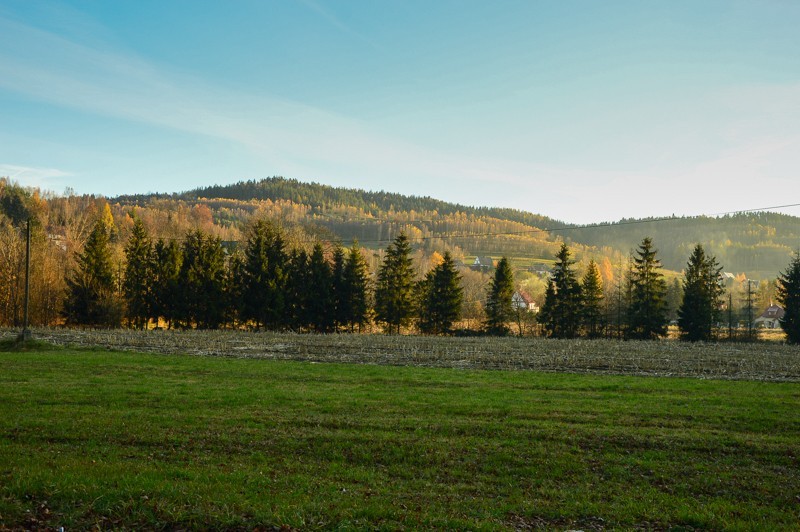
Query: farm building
x=483 y=264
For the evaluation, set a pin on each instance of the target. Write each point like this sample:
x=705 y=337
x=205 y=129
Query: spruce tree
x=592 y=313
x=90 y=297
x=355 y=284
x=166 y=291
x=138 y=285
x=499 y=307
x=647 y=311
x=789 y=297
x=394 y=292
x=202 y=281
x=441 y=298
x=562 y=309
x=264 y=277
x=319 y=298
x=338 y=287
x=234 y=287
x=297 y=291
x=702 y=290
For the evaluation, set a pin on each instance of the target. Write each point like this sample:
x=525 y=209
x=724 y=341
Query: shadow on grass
x=9 y=345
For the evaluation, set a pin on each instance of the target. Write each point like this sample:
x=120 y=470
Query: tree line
x=574 y=307
x=273 y=286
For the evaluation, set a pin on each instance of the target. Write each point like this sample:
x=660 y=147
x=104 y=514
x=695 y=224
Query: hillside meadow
x=96 y=437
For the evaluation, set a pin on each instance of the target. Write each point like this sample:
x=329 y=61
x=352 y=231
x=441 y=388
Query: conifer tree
x=166 y=292
x=789 y=297
x=338 y=287
x=297 y=291
x=441 y=298
x=319 y=299
x=234 y=287
x=394 y=292
x=563 y=308
x=90 y=298
x=264 y=277
x=138 y=285
x=648 y=307
x=354 y=300
x=499 y=307
x=702 y=290
x=592 y=314
x=202 y=281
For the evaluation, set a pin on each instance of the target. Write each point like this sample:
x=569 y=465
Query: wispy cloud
x=336 y=21
x=33 y=176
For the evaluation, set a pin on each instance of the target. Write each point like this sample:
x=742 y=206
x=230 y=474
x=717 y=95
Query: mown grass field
x=113 y=439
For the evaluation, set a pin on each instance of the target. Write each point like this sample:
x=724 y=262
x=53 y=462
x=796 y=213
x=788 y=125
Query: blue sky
x=581 y=110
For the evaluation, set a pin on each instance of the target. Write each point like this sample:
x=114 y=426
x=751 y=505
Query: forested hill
x=320 y=197
x=759 y=244
x=747 y=242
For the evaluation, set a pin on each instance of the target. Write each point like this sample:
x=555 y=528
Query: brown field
x=765 y=361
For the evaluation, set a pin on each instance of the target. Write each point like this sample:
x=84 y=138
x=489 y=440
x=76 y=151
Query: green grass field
x=154 y=441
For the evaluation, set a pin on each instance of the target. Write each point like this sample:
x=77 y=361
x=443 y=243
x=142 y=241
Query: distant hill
x=759 y=244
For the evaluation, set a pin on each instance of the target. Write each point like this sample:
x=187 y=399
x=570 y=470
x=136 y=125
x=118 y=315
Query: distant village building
x=523 y=301
x=483 y=264
x=541 y=269
x=728 y=278
x=770 y=318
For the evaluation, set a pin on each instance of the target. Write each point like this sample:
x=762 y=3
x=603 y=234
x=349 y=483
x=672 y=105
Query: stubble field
x=763 y=361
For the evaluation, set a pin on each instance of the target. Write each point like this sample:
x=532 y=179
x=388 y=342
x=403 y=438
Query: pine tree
x=394 y=293
x=138 y=285
x=297 y=294
x=264 y=277
x=234 y=287
x=202 y=281
x=648 y=307
x=354 y=300
x=319 y=300
x=441 y=298
x=789 y=297
x=166 y=264
x=499 y=307
x=90 y=298
x=592 y=314
x=563 y=308
x=338 y=287
x=702 y=290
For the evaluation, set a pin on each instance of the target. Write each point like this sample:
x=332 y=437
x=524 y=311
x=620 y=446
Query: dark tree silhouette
x=561 y=316
x=702 y=290
x=264 y=277
x=139 y=282
x=394 y=297
x=499 y=307
x=647 y=312
x=166 y=263
x=90 y=298
x=441 y=297
x=592 y=313
x=789 y=297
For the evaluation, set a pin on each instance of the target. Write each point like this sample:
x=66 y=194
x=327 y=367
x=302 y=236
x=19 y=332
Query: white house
x=770 y=318
x=523 y=301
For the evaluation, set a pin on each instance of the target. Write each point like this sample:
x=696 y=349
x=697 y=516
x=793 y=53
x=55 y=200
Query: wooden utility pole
x=25 y=335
